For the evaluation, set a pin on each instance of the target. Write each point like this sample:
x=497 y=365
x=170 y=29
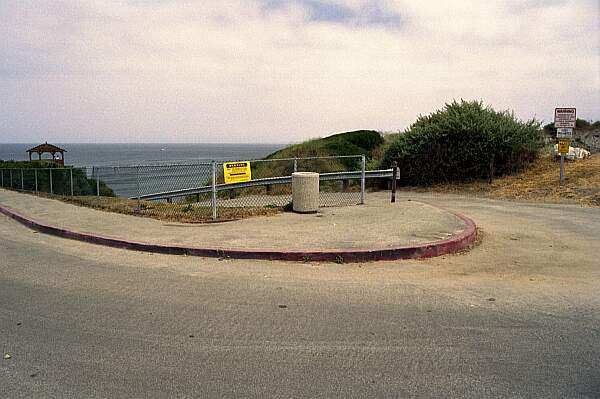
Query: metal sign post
x=565 y=120
x=563 y=148
x=562 y=168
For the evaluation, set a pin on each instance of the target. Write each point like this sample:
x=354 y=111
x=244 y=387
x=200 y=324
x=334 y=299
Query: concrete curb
x=453 y=244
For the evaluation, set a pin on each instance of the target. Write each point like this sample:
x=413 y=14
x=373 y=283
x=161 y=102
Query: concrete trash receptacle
x=305 y=192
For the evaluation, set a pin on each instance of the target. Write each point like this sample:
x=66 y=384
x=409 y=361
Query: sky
x=281 y=71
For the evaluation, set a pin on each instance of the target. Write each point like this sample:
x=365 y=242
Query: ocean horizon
x=121 y=154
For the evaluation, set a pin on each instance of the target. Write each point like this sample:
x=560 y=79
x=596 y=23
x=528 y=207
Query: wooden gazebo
x=51 y=149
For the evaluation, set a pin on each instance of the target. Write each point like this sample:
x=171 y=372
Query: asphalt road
x=516 y=317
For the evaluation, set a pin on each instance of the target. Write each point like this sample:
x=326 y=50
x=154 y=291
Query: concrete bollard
x=305 y=192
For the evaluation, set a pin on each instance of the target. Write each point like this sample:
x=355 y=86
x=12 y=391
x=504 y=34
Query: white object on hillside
x=574 y=153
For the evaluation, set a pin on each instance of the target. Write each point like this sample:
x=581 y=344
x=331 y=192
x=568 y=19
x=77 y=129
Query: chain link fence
x=195 y=192
x=57 y=181
x=333 y=191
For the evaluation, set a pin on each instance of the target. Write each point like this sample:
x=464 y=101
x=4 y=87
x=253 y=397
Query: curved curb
x=453 y=244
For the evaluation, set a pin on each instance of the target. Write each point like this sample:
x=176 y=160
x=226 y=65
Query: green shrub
x=61 y=178
x=462 y=141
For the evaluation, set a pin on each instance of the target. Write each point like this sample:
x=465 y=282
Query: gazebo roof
x=46 y=148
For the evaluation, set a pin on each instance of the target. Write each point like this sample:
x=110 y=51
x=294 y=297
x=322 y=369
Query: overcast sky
x=276 y=71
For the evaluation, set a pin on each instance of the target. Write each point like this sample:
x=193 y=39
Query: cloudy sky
x=277 y=71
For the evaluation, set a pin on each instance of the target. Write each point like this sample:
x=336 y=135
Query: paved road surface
x=517 y=317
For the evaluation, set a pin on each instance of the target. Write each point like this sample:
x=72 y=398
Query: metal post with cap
x=213 y=202
x=394 y=177
x=363 y=179
x=71 y=177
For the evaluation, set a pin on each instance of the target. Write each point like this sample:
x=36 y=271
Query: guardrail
x=382 y=173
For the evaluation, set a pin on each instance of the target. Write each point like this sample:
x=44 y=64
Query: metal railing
x=197 y=191
x=268 y=181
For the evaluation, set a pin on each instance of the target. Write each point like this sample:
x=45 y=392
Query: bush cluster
x=61 y=178
x=463 y=141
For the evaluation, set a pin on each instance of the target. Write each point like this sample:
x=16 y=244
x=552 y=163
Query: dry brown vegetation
x=184 y=213
x=538 y=183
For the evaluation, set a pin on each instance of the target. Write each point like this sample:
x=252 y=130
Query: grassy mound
x=358 y=142
x=349 y=143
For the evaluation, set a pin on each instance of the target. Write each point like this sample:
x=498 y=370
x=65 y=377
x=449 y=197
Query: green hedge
x=462 y=141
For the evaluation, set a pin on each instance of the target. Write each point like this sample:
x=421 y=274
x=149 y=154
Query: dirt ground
x=539 y=183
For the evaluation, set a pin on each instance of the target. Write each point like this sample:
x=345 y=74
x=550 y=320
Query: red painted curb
x=450 y=245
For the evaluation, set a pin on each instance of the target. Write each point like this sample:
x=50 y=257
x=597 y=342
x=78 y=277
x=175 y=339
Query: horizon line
x=153 y=142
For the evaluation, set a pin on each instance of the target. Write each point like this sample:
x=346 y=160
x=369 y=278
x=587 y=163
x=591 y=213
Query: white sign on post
x=565 y=117
x=564 y=133
x=564 y=122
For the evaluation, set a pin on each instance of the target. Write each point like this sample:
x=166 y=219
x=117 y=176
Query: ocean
x=79 y=154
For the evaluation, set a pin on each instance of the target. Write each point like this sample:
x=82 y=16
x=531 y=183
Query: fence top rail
x=382 y=173
x=65 y=168
x=162 y=165
x=295 y=159
x=190 y=164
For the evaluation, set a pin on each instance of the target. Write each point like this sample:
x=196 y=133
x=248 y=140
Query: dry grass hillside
x=539 y=183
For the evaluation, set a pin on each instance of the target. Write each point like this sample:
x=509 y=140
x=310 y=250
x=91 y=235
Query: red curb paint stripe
x=453 y=244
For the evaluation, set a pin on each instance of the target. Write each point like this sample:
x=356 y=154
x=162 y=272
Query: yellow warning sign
x=236 y=172
x=563 y=146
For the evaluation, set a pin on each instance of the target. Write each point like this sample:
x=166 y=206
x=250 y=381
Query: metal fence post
x=71 y=171
x=213 y=202
x=295 y=165
x=22 y=181
x=51 y=190
x=11 y=186
x=36 y=180
x=2 y=177
x=97 y=182
x=137 y=184
x=362 y=179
